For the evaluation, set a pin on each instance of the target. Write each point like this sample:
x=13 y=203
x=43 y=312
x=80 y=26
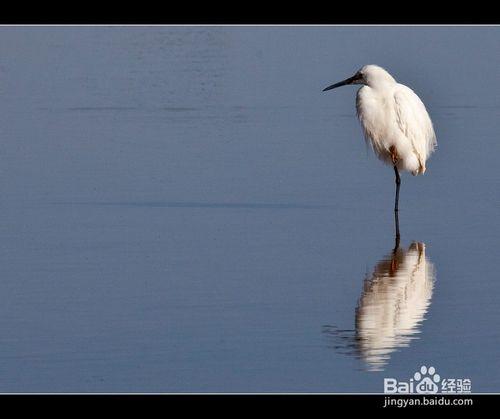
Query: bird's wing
x=414 y=122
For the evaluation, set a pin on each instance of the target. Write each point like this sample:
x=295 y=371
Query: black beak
x=345 y=82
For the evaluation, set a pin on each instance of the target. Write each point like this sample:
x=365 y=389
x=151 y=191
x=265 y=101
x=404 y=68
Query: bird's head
x=369 y=75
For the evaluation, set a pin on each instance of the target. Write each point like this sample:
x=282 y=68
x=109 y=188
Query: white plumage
x=394 y=119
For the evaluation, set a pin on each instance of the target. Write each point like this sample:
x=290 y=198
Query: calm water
x=183 y=210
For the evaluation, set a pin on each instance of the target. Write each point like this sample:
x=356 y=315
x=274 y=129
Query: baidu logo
x=427 y=381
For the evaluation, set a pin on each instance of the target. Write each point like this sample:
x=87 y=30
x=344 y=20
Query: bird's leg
x=398 y=183
x=394 y=157
x=394 y=260
x=397 y=238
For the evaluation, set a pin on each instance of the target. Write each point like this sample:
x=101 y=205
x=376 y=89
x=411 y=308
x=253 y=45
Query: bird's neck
x=383 y=85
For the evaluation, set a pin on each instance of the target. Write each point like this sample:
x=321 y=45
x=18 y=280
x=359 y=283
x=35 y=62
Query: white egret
x=394 y=120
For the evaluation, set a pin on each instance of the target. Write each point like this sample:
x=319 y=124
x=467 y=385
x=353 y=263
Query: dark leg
x=398 y=183
x=397 y=238
x=394 y=258
x=394 y=157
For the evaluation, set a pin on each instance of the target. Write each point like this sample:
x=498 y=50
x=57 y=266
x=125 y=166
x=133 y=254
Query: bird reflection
x=391 y=308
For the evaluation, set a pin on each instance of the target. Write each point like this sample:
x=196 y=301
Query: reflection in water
x=391 y=308
x=393 y=303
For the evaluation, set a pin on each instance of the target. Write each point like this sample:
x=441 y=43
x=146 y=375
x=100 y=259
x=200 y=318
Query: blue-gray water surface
x=183 y=210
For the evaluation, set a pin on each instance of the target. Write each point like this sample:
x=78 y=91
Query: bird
x=395 y=122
